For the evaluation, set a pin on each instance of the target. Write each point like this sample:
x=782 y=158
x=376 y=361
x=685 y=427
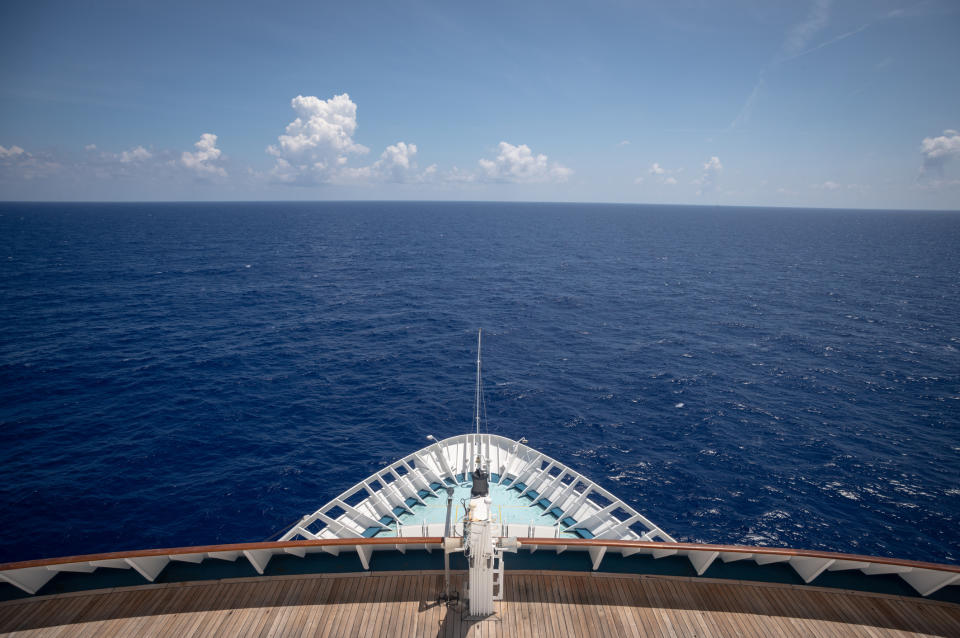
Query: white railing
x=364 y=505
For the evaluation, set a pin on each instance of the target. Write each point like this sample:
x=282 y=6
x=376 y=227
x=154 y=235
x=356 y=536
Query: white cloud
x=801 y=33
x=138 y=154
x=136 y=161
x=937 y=184
x=827 y=186
x=317 y=147
x=660 y=174
x=397 y=164
x=624 y=143
x=794 y=44
x=937 y=151
x=13 y=151
x=317 y=142
x=202 y=161
x=17 y=162
x=708 y=180
x=458 y=176
x=321 y=125
x=518 y=164
x=830 y=185
x=884 y=63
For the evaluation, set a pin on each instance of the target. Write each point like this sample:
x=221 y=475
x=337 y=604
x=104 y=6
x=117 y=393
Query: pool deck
x=536 y=605
x=510 y=507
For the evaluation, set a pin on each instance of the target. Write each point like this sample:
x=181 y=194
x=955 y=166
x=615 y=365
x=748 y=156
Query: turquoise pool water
x=509 y=507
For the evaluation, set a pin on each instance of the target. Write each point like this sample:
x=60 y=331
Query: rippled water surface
x=178 y=374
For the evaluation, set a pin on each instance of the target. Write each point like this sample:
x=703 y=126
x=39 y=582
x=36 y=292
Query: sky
x=811 y=103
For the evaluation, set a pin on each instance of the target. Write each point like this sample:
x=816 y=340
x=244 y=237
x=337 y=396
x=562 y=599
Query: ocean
x=180 y=374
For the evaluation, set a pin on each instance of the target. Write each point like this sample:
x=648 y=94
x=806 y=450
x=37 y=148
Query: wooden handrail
x=436 y=540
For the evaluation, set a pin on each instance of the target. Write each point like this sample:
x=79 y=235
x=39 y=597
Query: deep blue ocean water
x=179 y=374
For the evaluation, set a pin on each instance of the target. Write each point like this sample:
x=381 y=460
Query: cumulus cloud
x=135 y=161
x=518 y=164
x=708 y=180
x=11 y=152
x=316 y=144
x=138 y=154
x=19 y=163
x=318 y=148
x=203 y=160
x=660 y=174
x=937 y=151
x=663 y=175
x=827 y=186
x=396 y=164
x=321 y=125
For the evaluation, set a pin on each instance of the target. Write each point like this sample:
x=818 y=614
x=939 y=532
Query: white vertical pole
x=482 y=553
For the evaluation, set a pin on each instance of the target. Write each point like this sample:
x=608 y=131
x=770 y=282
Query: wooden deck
x=535 y=605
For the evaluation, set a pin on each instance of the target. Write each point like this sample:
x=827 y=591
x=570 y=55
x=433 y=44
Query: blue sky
x=813 y=103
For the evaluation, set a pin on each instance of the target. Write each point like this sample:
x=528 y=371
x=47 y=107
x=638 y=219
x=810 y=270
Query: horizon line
x=466 y=201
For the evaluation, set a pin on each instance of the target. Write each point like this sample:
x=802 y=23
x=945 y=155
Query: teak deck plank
x=345 y=604
x=246 y=596
x=550 y=605
x=716 y=625
x=383 y=604
x=65 y=617
x=338 y=605
x=894 y=611
x=646 y=601
x=571 y=592
x=686 y=595
x=633 y=622
x=315 y=610
x=553 y=621
x=420 y=619
x=533 y=601
x=678 y=617
x=404 y=613
x=560 y=621
x=534 y=605
x=305 y=601
x=641 y=613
